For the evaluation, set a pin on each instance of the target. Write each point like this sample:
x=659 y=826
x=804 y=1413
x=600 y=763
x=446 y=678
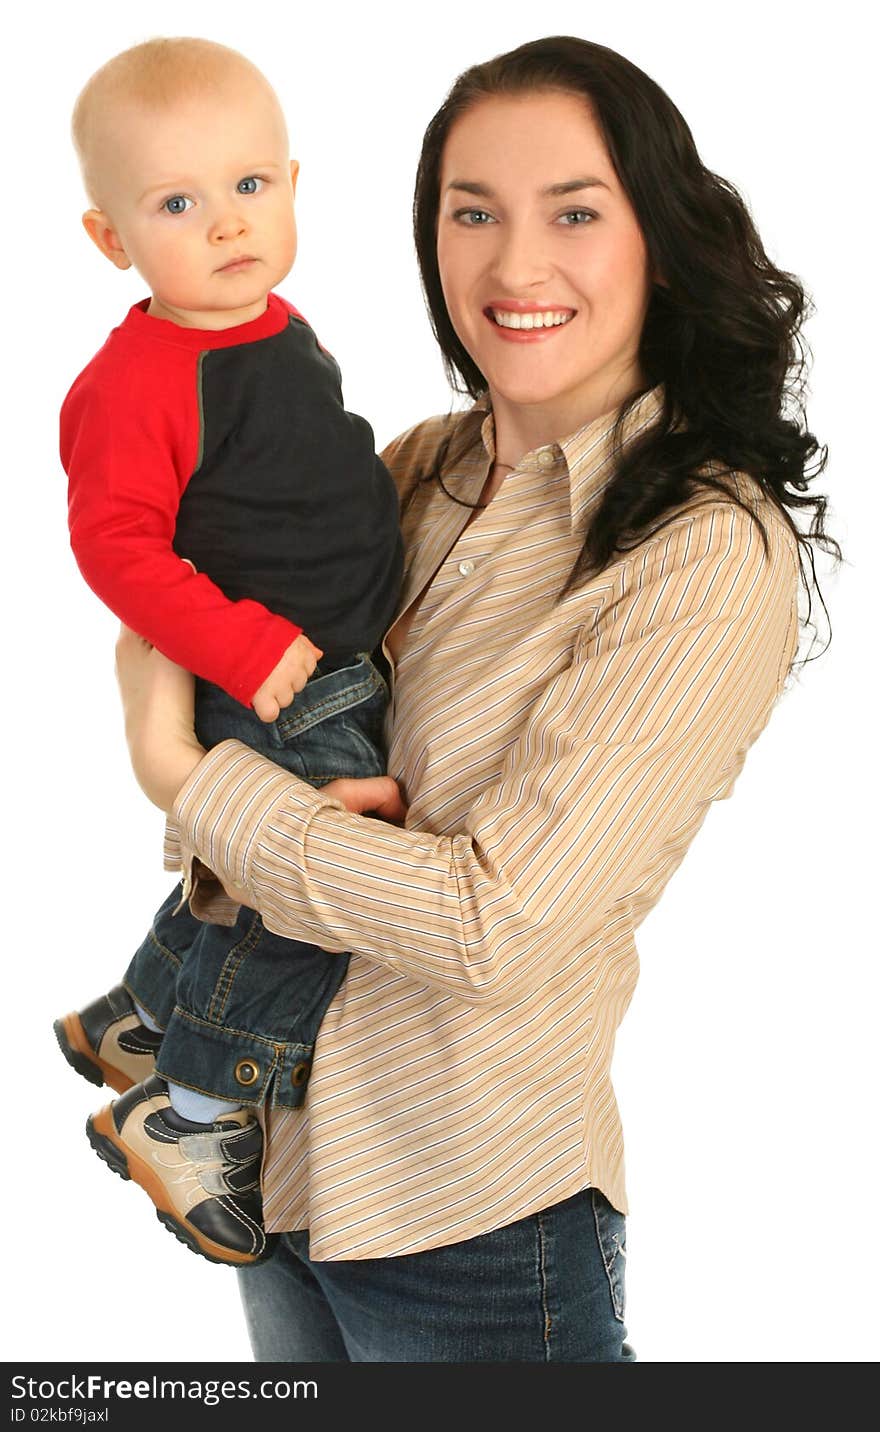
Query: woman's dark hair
x=722 y=331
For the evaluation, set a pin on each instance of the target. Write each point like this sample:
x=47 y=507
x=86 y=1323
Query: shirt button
x=545 y=458
x=465 y=568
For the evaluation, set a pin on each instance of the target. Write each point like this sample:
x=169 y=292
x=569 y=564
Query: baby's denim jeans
x=240 y=1007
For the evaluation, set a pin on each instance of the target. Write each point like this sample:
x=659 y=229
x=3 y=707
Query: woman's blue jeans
x=548 y=1288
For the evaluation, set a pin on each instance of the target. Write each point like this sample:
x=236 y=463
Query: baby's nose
x=227 y=226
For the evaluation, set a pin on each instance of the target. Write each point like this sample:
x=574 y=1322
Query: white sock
x=198 y=1108
x=145 y=1018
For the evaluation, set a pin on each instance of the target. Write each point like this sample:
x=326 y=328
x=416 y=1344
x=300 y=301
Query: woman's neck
x=523 y=427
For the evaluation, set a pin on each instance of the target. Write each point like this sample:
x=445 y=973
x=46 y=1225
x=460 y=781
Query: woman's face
x=542 y=261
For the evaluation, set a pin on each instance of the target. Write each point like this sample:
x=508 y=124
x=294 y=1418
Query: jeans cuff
x=233 y=1064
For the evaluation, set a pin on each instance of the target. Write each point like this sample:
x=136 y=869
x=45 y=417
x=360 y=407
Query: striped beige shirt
x=557 y=760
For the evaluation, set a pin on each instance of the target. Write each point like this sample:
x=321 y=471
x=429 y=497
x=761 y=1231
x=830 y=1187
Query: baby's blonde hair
x=153 y=74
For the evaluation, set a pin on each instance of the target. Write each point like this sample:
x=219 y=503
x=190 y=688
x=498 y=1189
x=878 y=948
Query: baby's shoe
x=106 y=1043
x=203 y=1178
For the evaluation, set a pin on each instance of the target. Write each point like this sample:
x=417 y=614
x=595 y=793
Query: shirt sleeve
x=127 y=466
x=599 y=797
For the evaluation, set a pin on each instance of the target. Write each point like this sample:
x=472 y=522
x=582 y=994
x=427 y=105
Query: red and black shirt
x=232 y=449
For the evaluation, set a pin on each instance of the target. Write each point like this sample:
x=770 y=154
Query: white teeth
x=549 y=318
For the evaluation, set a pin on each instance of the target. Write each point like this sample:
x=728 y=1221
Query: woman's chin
x=527 y=392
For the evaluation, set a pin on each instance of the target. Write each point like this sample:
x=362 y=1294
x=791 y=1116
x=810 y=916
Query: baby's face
x=200 y=196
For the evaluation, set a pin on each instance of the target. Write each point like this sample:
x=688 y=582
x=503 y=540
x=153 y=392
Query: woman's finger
x=370 y=793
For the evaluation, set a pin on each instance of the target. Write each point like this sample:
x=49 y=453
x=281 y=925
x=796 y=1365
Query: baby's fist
x=287 y=678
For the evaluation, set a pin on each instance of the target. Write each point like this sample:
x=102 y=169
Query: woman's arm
x=595 y=807
x=158 y=701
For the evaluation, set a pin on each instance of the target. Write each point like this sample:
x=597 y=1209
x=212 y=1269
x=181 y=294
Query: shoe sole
x=101 y=1133
x=74 y=1045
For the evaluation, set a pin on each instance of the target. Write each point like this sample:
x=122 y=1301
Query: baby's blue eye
x=251 y=185
x=177 y=204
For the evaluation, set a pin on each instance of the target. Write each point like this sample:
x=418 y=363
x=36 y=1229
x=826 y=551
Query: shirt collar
x=585 y=455
x=271 y=321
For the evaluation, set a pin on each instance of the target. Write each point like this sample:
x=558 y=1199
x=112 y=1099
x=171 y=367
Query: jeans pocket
x=611 y=1237
x=219 y=717
x=329 y=694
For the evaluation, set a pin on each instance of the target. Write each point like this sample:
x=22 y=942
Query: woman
x=599 y=611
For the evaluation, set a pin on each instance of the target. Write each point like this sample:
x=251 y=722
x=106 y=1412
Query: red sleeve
x=129 y=443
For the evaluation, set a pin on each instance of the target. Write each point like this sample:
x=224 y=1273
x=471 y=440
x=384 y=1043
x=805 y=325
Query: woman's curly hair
x=723 y=328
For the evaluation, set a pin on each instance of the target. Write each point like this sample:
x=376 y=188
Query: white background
x=745 y=1066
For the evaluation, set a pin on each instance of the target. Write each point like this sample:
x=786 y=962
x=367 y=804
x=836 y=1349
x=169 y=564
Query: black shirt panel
x=290 y=505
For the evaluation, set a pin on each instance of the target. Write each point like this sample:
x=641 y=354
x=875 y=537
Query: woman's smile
x=522 y=323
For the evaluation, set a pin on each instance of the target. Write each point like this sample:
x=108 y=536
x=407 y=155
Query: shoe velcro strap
x=241 y=1147
x=244 y=1177
x=227 y=1181
x=202 y=1147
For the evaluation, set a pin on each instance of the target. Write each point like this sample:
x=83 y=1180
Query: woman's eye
x=576 y=218
x=177 y=204
x=473 y=218
x=250 y=185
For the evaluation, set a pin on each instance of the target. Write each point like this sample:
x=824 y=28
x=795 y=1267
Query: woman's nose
x=520 y=259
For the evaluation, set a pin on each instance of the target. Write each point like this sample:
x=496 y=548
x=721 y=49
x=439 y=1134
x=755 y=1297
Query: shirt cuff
x=224 y=806
x=201 y=891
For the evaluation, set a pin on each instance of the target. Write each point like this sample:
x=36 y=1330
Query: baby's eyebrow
x=170 y=187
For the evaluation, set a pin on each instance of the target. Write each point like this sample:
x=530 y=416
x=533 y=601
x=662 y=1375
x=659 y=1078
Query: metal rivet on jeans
x=299 y=1074
x=247 y=1072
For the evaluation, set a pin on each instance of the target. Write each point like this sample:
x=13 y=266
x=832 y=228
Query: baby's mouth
x=241 y=262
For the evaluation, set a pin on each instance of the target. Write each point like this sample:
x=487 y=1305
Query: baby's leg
x=198 y=1158
x=249 y=1003
x=248 y=1008
x=115 y=1039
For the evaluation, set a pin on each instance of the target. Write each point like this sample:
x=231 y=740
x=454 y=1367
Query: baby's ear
x=102 y=233
x=294 y=172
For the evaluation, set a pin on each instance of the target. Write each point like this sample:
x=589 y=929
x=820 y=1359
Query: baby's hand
x=288 y=677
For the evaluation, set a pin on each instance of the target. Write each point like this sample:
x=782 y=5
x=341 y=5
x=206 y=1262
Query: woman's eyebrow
x=467 y=187
x=567 y=186
x=570 y=186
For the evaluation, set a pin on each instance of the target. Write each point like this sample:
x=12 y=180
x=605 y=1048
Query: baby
x=227 y=508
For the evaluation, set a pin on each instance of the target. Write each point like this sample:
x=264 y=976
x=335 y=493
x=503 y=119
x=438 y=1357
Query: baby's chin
x=217 y=310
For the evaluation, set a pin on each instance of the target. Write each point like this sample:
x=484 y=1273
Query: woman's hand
x=369 y=795
x=158 y=704
x=366 y=795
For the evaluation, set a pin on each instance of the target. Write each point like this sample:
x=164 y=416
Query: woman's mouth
x=522 y=325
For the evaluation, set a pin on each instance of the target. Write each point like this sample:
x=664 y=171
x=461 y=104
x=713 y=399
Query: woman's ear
x=100 y=230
